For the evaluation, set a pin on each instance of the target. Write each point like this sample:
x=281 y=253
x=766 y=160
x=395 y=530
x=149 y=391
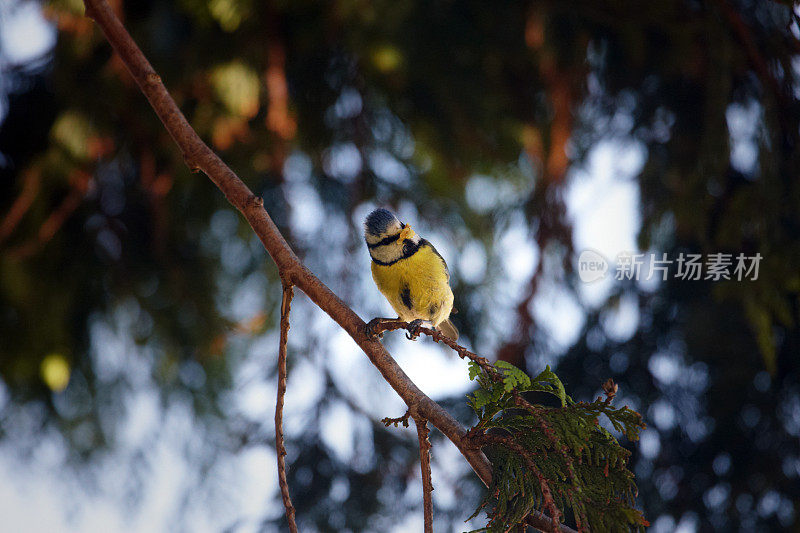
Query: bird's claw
x=370 y=329
x=414 y=328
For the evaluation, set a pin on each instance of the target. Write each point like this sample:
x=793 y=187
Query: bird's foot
x=414 y=328
x=372 y=331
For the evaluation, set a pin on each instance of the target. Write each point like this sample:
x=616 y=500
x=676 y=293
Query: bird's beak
x=406 y=233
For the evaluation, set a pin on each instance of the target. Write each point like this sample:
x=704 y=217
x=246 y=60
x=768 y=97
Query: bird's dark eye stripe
x=385 y=241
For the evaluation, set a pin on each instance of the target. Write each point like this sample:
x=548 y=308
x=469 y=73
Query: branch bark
x=30 y=188
x=81 y=185
x=199 y=156
x=286 y=306
x=748 y=41
x=425 y=466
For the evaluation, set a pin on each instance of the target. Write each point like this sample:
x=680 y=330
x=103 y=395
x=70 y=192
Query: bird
x=409 y=272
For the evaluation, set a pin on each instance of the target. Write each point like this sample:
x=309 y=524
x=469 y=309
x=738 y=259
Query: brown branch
x=425 y=466
x=286 y=305
x=559 y=84
x=399 y=420
x=30 y=187
x=199 y=156
x=279 y=118
x=81 y=184
x=757 y=61
x=156 y=186
x=424 y=461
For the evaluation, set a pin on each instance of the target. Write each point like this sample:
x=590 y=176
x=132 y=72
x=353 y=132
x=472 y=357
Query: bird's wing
x=423 y=242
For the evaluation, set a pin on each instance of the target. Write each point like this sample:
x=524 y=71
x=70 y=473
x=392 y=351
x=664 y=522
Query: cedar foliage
x=579 y=461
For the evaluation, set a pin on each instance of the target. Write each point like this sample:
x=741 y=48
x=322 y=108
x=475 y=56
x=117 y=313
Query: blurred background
x=138 y=311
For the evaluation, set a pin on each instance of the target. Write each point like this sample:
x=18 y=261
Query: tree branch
x=286 y=306
x=748 y=41
x=81 y=184
x=199 y=156
x=425 y=466
x=30 y=187
x=399 y=420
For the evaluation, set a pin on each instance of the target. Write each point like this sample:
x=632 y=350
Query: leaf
x=474 y=370
x=514 y=377
x=479 y=398
x=550 y=377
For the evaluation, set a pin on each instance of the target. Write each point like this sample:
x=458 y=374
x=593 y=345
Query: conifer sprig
x=550 y=453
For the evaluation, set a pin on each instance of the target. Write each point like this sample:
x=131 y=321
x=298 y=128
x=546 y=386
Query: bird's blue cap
x=378 y=221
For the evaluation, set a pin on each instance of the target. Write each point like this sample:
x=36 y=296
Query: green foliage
x=564 y=448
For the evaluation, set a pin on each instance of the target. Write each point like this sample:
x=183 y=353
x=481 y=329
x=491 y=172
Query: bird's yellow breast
x=417 y=286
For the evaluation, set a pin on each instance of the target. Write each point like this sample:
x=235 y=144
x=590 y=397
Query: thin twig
x=751 y=47
x=30 y=187
x=399 y=420
x=483 y=439
x=286 y=305
x=198 y=156
x=425 y=465
x=81 y=184
x=388 y=324
x=279 y=119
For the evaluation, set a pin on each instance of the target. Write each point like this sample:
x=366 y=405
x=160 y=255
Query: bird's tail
x=449 y=329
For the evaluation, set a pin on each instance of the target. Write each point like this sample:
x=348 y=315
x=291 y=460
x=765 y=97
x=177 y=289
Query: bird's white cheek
x=386 y=254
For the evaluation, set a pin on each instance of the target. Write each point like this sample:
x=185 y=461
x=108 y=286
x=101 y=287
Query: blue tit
x=409 y=272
